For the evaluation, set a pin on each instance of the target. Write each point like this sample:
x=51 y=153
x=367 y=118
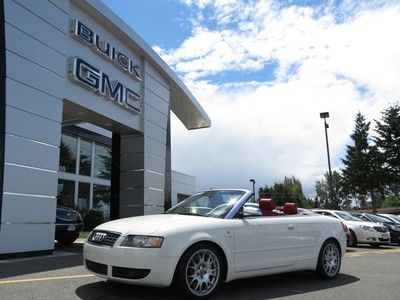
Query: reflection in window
x=101 y=200
x=85 y=158
x=68 y=150
x=83 y=196
x=65 y=193
x=102 y=162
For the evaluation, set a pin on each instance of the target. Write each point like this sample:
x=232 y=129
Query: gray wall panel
x=31 y=100
x=153 y=210
x=61 y=4
x=47 y=11
x=34 y=26
x=154 y=163
x=33 y=75
x=156 y=87
x=155 y=116
x=41 y=209
x=13 y=238
x=154 y=197
x=131 y=179
x=151 y=71
x=155 y=148
x=30 y=153
x=32 y=126
x=132 y=161
x=24 y=180
x=132 y=144
x=29 y=48
x=155 y=132
x=154 y=180
x=156 y=102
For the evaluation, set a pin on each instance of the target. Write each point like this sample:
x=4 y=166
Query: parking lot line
x=45 y=279
x=378 y=251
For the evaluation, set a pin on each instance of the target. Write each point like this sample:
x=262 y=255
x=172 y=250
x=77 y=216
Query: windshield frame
x=231 y=213
x=341 y=213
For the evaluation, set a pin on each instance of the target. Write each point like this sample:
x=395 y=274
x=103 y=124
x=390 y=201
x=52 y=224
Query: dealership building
x=85 y=108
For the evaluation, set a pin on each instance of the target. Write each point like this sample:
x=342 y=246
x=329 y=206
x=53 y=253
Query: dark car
x=69 y=224
x=393 y=228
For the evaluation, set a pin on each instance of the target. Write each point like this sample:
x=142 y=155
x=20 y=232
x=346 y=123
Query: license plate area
x=71 y=227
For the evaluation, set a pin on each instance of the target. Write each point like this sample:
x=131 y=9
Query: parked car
x=213 y=237
x=394 y=218
x=69 y=224
x=349 y=237
x=362 y=232
x=393 y=228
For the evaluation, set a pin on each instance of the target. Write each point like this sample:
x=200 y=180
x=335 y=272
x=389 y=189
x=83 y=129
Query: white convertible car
x=212 y=237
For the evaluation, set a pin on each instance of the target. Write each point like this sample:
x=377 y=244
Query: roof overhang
x=183 y=103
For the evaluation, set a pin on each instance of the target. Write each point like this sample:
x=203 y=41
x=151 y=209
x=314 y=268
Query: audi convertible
x=213 y=237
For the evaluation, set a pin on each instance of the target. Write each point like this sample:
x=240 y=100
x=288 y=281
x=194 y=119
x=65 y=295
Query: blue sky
x=264 y=70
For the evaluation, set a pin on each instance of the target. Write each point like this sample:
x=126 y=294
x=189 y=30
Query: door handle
x=290 y=226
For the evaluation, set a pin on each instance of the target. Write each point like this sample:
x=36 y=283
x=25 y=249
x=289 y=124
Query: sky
x=263 y=71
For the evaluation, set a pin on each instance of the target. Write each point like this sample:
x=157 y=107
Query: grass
x=84 y=234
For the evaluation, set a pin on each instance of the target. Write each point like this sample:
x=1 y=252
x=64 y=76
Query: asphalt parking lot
x=366 y=273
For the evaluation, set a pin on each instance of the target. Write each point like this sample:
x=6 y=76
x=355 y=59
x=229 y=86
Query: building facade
x=66 y=66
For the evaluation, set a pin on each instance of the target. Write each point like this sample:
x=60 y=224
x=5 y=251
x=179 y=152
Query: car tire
x=353 y=239
x=329 y=260
x=66 y=241
x=199 y=271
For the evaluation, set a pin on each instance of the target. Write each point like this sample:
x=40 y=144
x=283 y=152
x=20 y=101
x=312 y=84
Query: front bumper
x=395 y=236
x=122 y=264
x=372 y=237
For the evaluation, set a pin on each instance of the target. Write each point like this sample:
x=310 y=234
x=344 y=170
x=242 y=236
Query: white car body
x=378 y=235
x=251 y=246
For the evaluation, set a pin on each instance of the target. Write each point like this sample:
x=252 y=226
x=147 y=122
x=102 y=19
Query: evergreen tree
x=388 y=142
x=342 y=200
x=362 y=165
x=290 y=190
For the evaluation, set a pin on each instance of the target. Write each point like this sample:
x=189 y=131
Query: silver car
x=362 y=232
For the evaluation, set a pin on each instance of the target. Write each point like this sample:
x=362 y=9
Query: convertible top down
x=212 y=237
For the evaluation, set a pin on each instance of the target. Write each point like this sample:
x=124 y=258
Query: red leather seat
x=290 y=209
x=267 y=206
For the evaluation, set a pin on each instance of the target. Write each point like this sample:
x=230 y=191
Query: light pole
x=254 y=190
x=325 y=115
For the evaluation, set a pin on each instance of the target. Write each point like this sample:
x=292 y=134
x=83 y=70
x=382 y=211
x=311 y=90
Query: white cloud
x=347 y=59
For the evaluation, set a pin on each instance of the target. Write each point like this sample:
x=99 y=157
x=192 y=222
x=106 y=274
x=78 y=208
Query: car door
x=264 y=242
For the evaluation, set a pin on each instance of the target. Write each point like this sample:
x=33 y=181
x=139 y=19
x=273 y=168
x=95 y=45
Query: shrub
x=391 y=201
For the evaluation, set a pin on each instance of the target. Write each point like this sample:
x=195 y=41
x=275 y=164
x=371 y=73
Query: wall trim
x=2 y=100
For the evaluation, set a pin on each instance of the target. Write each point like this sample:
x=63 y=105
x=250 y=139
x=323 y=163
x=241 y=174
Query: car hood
x=358 y=223
x=152 y=223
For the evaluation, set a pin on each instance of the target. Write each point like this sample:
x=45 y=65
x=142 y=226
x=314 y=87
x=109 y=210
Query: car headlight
x=142 y=241
x=367 y=228
x=395 y=227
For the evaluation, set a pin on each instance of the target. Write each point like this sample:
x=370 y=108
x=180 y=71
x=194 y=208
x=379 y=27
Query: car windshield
x=379 y=219
x=214 y=204
x=347 y=217
x=397 y=218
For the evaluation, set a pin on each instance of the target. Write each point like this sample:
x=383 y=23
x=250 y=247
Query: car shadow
x=62 y=257
x=266 y=287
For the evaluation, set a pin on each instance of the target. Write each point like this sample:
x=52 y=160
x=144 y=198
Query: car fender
x=226 y=244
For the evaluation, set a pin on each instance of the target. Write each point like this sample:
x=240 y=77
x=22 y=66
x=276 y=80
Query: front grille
x=96 y=267
x=103 y=238
x=129 y=273
x=380 y=229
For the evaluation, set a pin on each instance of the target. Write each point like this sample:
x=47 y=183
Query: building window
x=83 y=202
x=68 y=149
x=85 y=158
x=101 y=200
x=102 y=162
x=65 y=193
